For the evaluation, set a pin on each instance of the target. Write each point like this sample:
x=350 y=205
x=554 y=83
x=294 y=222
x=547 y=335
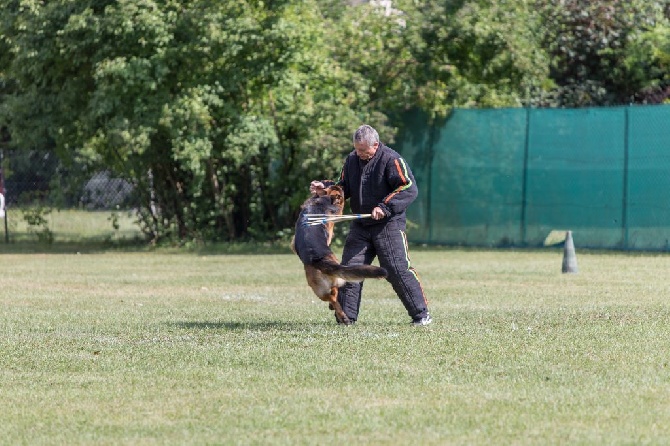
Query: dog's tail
x=350 y=273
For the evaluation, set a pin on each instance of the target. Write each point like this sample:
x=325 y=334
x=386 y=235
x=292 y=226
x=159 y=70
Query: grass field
x=186 y=348
x=67 y=226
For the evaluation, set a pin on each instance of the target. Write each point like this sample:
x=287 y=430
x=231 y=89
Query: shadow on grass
x=289 y=326
x=244 y=326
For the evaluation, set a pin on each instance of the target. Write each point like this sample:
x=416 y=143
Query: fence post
x=3 y=194
x=624 y=204
x=524 y=183
x=433 y=136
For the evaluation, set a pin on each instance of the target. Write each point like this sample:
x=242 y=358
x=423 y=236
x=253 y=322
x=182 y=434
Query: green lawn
x=67 y=226
x=185 y=348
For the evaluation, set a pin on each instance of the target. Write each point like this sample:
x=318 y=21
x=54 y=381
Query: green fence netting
x=514 y=177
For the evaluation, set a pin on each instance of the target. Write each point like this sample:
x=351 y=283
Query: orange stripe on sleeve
x=400 y=172
x=403 y=176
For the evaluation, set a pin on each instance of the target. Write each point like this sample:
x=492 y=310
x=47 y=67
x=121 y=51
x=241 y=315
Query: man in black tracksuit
x=378 y=181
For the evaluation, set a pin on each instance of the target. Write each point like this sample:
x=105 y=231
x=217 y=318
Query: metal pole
x=626 y=161
x=524 y=183
x=2 y=191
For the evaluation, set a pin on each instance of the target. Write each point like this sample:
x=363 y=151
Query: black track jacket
x=385 y=181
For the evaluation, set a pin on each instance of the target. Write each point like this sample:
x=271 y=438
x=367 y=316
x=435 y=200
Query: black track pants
x=389 y=243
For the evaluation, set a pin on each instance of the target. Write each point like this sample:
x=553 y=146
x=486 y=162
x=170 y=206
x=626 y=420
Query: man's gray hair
x=366 y=134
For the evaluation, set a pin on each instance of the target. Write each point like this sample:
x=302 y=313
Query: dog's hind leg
x=334 y=305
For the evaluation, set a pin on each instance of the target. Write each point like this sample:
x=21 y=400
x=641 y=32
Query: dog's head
x=336 y=195
x=329 y=200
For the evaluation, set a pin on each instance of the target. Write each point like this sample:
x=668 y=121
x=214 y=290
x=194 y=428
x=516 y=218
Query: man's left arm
x=404 y=191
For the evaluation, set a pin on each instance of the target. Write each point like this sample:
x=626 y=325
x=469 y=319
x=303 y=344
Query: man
x=377 y=181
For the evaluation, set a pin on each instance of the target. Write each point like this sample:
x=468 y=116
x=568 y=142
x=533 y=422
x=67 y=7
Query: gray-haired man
x=378 y=181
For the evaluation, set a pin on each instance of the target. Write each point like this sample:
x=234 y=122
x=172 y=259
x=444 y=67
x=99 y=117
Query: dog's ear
x=337 y=198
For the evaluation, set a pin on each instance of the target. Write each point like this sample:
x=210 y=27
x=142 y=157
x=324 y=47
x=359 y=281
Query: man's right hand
x=315 y=187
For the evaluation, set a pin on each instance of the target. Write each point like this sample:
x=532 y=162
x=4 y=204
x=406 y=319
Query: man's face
x=364 y=151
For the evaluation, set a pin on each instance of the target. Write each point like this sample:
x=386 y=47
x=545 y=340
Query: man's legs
x=357 y=250
x=391 y=247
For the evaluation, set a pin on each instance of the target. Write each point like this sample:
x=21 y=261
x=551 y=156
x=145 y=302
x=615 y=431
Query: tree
x=481 y=54
x=214 y=110
x=602 y=50
x=648 y=58
x=220 y=113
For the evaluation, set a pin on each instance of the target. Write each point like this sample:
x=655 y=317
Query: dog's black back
x=311 y=241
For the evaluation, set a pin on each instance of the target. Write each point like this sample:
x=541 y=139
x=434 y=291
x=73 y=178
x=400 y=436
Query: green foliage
x=481 y=54
x=380 y=47
x=602 y=51
x=220 y=113
x=114 y=220
x=648 y=59
x=36 y=217
x=213 y=111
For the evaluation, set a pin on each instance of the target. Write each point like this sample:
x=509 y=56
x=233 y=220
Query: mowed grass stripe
x=177 y=348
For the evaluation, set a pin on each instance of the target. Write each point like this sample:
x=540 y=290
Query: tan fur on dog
x=324 y=272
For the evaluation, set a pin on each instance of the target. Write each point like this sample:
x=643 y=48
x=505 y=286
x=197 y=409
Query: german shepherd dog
x=324 y=272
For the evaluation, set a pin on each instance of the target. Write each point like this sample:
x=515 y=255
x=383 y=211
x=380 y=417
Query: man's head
x=366 y=142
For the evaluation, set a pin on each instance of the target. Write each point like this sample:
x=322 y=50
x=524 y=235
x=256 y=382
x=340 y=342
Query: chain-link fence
x=46 y=201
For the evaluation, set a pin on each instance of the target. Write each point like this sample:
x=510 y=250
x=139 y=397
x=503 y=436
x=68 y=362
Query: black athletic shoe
x=423 y=321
